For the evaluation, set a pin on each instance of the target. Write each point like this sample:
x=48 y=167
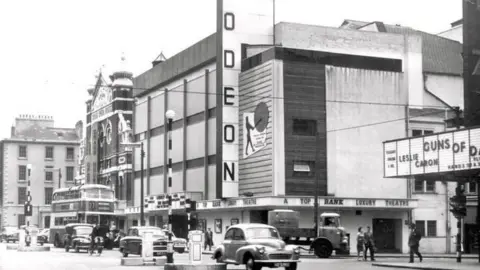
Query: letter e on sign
x=228 y=96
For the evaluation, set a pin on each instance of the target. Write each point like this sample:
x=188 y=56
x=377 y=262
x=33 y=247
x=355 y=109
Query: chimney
x=12 y=132
x=26 y=121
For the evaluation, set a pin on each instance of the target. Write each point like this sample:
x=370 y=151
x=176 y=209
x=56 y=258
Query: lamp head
x=170 y=114
x=29 y=166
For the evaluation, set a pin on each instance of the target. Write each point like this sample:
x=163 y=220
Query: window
x=48 y=195
x=20 y=220
x=135 y=223
x=22 y=151
x=70 y=172
x=472 y=187
x=421 y=132
x=22 y=173
x=431 y=228
x=70 y=153
x=22 y=195
x=49 y=173
x=49 y=152
x=420 y=225
x=424 y=186
x=302 y=168
x=304 y=127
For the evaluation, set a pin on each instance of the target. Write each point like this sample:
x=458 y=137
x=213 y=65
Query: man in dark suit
x=414 y=242
x=369 y=245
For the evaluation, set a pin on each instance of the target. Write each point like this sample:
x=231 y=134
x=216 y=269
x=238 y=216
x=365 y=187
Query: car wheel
x=77 y=249
x=293 y=266
x=323 y=250
x=219 y=258
x=125 y=254
x=181 y=250
x=67 y=248
x=251 y=265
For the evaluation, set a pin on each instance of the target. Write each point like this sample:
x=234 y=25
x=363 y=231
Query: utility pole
x=459 y=187
x=317 y=180
x=142 y=203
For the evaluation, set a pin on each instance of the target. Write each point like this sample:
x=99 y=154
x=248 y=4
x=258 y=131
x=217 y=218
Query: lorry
x=331 y=236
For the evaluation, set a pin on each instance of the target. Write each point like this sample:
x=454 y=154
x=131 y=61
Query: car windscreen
x=155 y=233
x=85 y=231
x=255 y=233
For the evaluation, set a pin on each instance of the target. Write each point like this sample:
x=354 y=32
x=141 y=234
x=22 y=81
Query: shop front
x=387 y=218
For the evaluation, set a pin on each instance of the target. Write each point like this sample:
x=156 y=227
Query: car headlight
x=261 y=250
x=296 y=250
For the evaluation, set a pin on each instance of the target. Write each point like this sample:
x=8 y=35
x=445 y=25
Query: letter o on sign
x=229 y=133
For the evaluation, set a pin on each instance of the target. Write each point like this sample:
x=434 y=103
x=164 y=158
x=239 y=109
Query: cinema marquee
x=457 y=150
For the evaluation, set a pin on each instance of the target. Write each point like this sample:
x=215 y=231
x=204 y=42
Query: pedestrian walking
x=369 y=245
x=414 y=243
x=360 y=243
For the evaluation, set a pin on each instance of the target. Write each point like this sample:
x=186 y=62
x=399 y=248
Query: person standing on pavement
x=360 y=243
x=207 y=239
x=369 y=245
x=414 y=243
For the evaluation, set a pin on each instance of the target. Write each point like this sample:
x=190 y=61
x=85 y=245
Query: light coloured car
x=256 y=246
x=179 y=244
x=132 y=243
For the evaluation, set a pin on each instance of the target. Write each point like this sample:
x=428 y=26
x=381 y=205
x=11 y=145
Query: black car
x=77 y=237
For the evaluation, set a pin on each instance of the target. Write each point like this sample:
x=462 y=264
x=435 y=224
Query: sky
x=51 y=50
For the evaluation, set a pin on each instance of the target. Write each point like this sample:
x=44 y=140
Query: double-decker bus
x=90 y=203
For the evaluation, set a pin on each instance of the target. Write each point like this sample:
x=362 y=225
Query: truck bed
x=297 y=236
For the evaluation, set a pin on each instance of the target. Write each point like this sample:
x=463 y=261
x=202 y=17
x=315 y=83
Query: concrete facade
x=35 y=140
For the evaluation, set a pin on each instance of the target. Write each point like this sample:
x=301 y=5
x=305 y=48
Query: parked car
x=77 y=237
x=42 y=236
x=132 y=243
x=256 y=246
x=179 y=244
x=9 y=234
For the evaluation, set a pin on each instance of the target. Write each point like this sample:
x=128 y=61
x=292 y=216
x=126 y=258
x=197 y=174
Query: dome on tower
x=121 y=75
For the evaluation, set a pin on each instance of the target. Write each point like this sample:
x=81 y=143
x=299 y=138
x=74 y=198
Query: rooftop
x=440 y=55
x=36 y=132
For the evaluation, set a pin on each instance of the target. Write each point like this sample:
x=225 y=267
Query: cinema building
x=266 y=113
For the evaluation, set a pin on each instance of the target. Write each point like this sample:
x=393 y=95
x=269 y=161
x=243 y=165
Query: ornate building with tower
x=109 y=114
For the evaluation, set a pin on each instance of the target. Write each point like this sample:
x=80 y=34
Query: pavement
x=58 y=259
x=306 y=254
x=430 y=264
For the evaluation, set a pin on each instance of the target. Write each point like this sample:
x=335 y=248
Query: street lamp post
x=170 y=114
x=142 y=155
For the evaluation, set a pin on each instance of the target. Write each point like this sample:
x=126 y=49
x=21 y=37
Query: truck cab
x=331 y=235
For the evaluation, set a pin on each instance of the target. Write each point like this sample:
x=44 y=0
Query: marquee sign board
x=238 y=22
x=458 y=150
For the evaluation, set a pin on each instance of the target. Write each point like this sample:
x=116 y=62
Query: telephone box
x=195 y=244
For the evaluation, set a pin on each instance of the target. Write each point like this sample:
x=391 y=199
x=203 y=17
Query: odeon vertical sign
x=238 y=22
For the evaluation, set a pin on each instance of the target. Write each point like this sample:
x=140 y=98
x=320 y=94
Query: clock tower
x=109 y=114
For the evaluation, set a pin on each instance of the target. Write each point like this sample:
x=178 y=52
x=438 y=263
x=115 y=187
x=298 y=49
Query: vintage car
x=77 y=237
x=256 y=246
x=9 y=234
x=132 y=243
x=42 y=236
x=179 y=244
